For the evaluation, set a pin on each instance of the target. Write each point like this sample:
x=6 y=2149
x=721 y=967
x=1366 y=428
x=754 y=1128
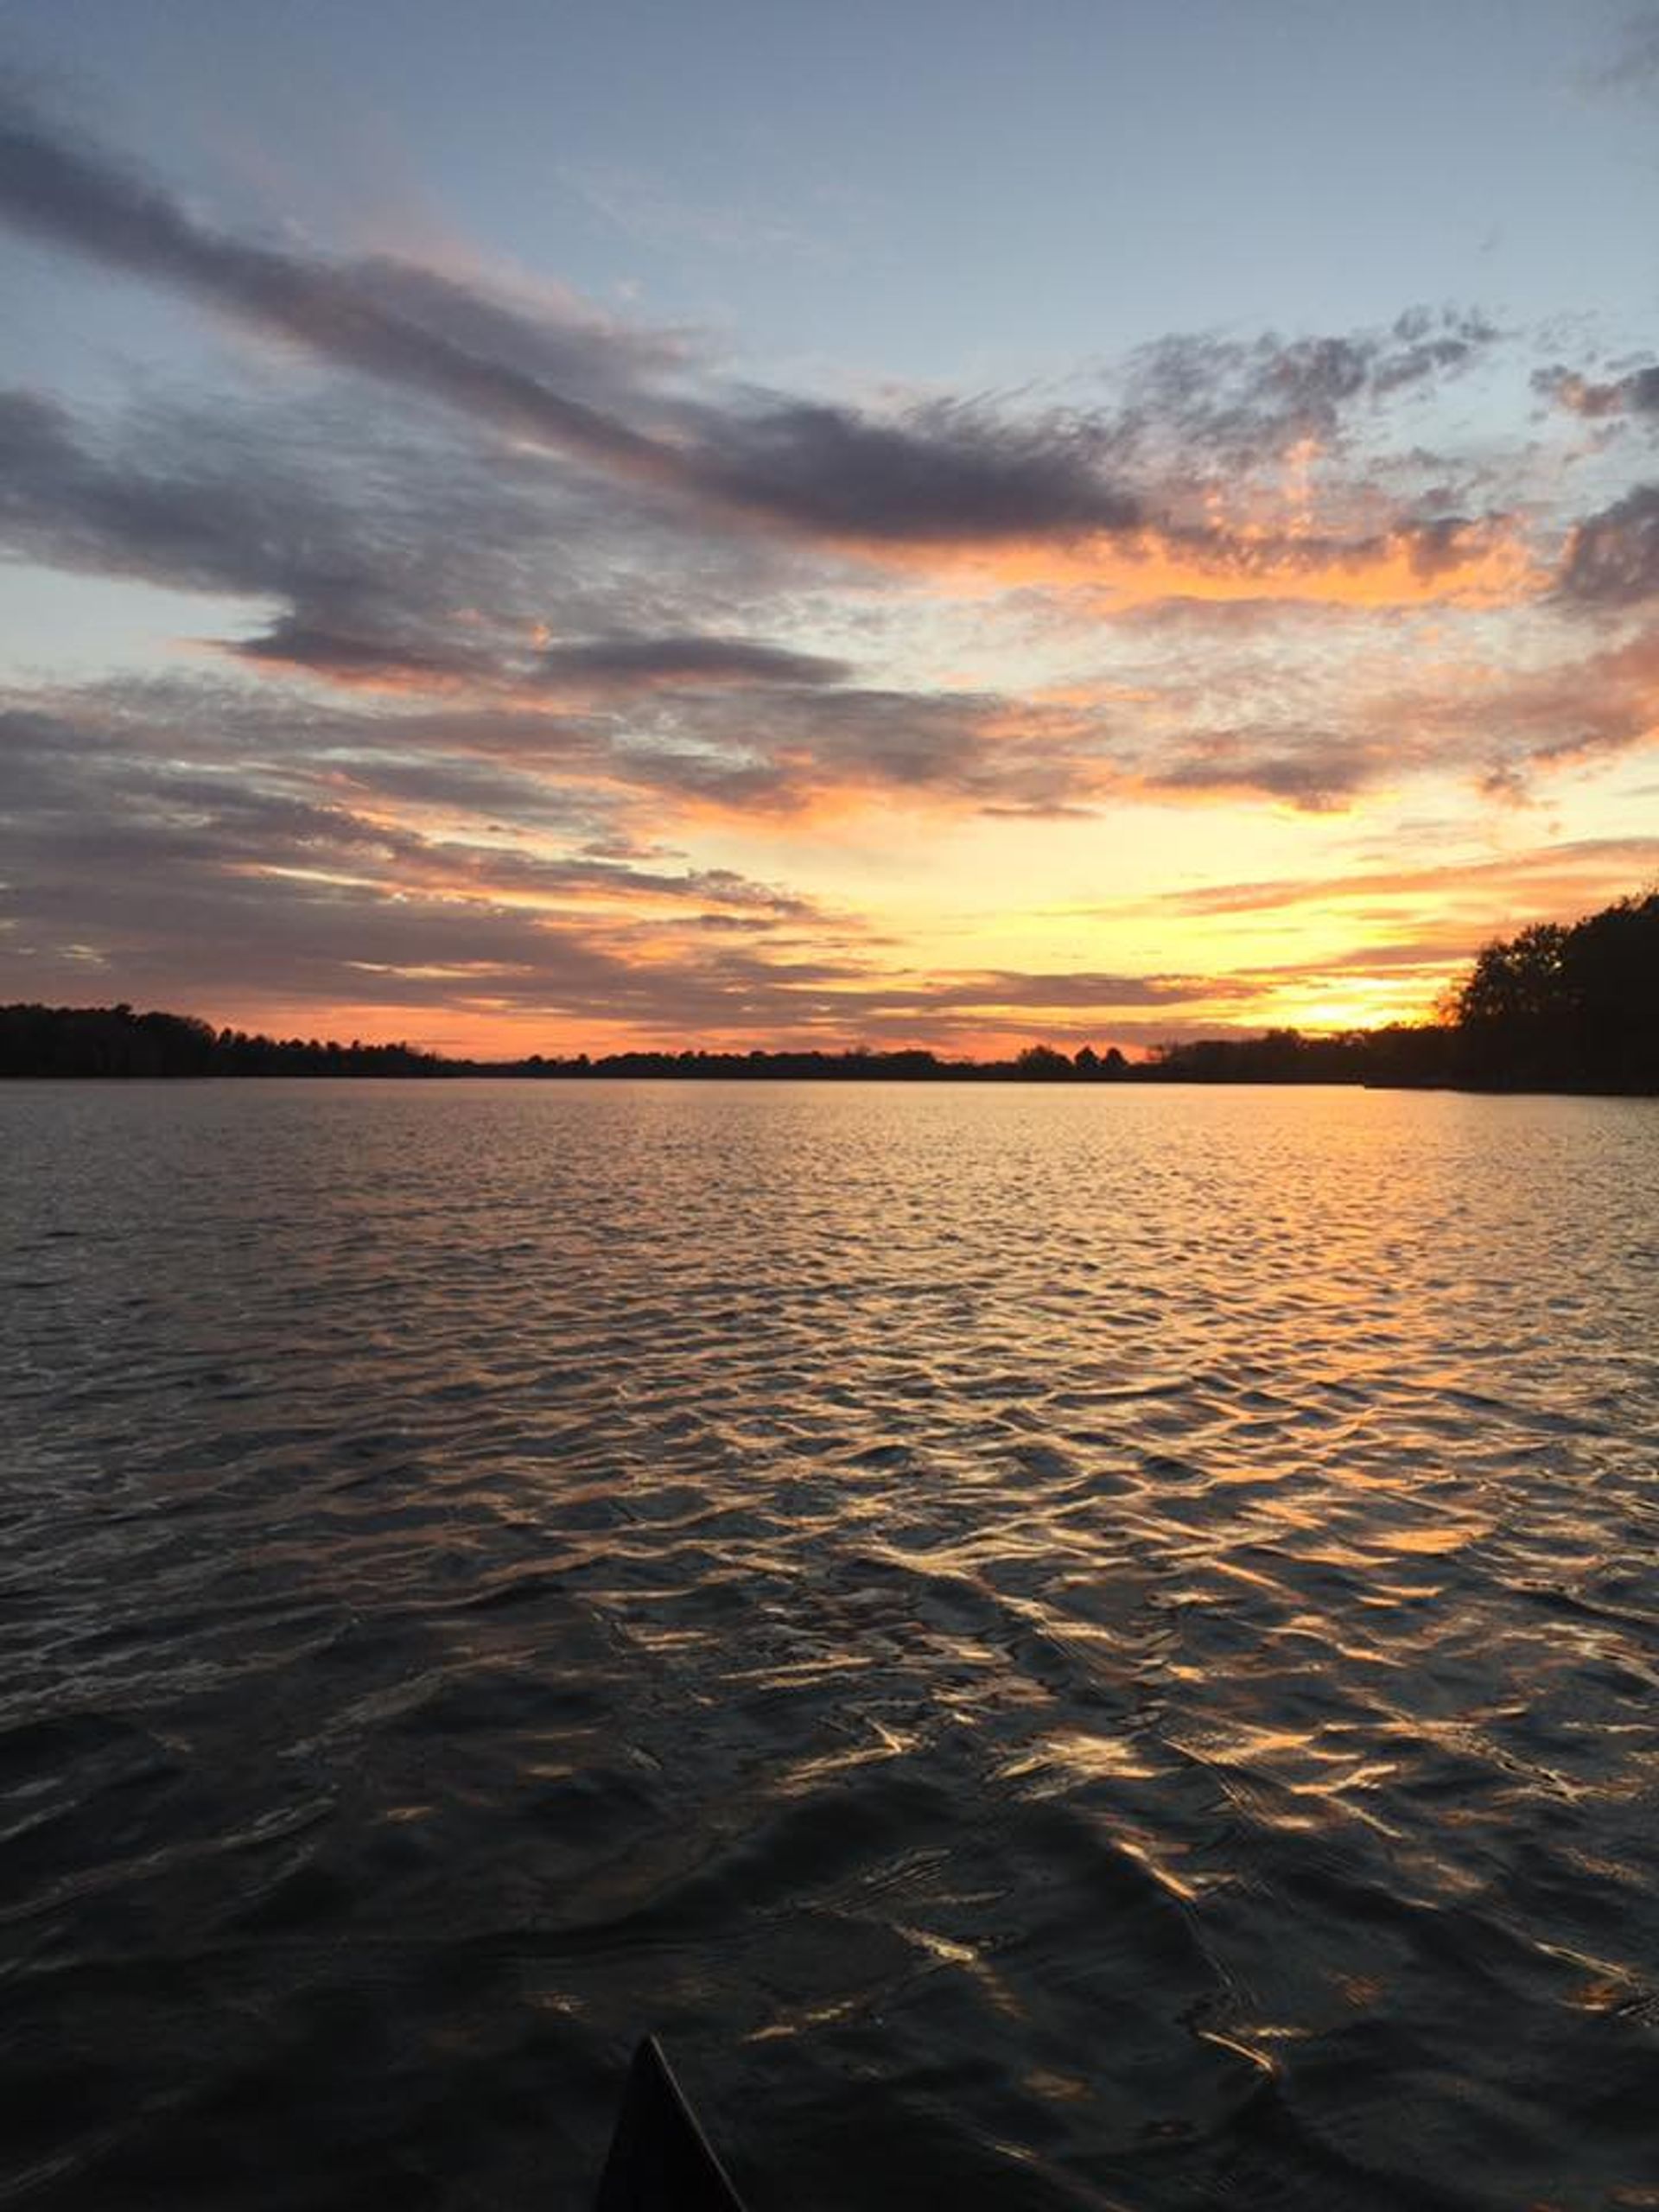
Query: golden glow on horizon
x=1147 y=922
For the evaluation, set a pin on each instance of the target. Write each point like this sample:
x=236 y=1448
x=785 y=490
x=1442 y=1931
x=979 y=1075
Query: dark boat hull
x=660 y=2159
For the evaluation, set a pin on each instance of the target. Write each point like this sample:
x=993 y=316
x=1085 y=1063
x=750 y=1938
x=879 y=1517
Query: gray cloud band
x=949 y=472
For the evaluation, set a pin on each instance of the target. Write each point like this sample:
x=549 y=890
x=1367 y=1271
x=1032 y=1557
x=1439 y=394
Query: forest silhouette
x=1558 y=1006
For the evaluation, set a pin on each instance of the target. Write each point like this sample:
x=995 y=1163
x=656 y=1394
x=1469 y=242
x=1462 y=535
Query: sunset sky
x=537 y=526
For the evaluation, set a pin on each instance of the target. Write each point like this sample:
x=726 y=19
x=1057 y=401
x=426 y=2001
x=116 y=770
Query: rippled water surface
x=1065 y=1648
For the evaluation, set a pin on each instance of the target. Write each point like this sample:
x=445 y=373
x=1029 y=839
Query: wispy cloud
x=1634 y=63
x=947 y=472
x=1578 y=871
x=657 y=211
x=184 y=877
x=1235 y=400
x=641 y=662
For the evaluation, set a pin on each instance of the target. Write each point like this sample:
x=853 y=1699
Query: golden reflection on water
x=1076 y=1756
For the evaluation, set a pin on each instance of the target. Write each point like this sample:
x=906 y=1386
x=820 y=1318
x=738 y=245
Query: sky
x=546 y=527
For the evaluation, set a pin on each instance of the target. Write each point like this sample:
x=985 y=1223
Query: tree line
x=113 y=1041
x=1558 y=1006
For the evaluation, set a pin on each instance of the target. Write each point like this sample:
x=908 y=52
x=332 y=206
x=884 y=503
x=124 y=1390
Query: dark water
x=1065 y=1648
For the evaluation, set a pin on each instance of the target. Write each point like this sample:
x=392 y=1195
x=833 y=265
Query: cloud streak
x=76 y=196
x=642 y=663
x=232 y=896
x=948 y=472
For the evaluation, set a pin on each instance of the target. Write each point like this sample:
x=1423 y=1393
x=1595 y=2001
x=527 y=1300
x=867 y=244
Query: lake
x=1065 y=1648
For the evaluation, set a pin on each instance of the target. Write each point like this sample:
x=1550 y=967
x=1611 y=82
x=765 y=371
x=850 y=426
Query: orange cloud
x=1474 y=565
x=1576 y=874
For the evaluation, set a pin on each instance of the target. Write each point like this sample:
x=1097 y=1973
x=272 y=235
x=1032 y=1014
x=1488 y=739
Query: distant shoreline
x=116 y=1045
x=958 y=1077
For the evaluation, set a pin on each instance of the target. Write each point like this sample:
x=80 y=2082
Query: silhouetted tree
x=1568 y=1007
x=1044 y=1064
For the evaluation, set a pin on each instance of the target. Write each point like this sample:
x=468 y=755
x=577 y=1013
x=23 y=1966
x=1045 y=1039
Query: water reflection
x=1065 y=1648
